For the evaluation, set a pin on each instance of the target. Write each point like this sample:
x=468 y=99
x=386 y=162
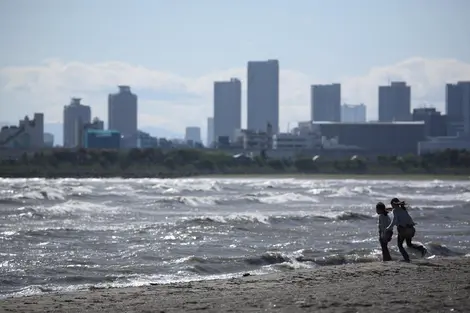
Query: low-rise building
x=48 y=140
x=439 y=144
x=297 y=141
x=145 y=140
x=101 y=139
x=387 y=138
x=252 y=139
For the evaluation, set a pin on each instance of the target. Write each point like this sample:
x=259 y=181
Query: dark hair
x=397 y=201
x=380 y=208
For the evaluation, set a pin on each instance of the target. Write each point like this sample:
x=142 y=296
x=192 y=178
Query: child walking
x=384 y=235
x=405 y=227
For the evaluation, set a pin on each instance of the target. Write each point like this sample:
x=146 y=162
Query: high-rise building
x=76 y=115
x=210 y=131
x=395 y=102
x=193 y=133
x=263 y=95
x=325 y=103
x=353 y=113
x=227 y=108
x=435 y=123
x=458 y=108
x=122 y=115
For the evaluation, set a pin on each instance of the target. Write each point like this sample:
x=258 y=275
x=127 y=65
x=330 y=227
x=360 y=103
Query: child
x=384 y=235
x=405 y=227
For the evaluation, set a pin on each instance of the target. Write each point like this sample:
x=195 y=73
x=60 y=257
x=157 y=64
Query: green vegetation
x=191 y=162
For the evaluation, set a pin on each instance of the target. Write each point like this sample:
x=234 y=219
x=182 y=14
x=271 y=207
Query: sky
x=171 y=51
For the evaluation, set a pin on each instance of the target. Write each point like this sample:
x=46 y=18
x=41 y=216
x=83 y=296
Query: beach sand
x=438 y=285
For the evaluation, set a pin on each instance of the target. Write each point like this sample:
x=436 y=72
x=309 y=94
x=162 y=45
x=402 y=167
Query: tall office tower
x=325 y=103
x=76 y=115
x=122 y=115
x=193 y=134
x=227 y=108
x=353 y=113
x=263 y=95
x=395 y=102
x=458 y=108
x=210 y=131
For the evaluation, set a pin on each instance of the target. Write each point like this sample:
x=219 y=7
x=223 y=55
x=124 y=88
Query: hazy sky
x=171 y=51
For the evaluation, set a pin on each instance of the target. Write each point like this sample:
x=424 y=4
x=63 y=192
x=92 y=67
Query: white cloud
x=171 y=101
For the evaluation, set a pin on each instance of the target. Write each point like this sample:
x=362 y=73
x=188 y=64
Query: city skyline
x=44 y=79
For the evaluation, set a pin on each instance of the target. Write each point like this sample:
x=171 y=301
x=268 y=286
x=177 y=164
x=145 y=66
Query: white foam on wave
x=74 y=206
x=129 y=281
x=287 y=197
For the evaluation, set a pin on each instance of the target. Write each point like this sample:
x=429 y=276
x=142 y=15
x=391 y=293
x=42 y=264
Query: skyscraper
x=75 y=116
x=458 y=108
x=263 y=95
x=325 y=103
x=210 y=131
x=227 y=108
x=122 y=115
x=351 y=113
x=395 y=102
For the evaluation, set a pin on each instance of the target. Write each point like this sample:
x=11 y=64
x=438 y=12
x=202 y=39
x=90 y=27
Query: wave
x=274 y=219
x=191 y=268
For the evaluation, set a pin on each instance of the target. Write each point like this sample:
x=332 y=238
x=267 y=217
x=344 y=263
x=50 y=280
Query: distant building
x=435 y=122
x=95 y=124
x=439 y=144
x=122 y=115
x=210 y=131
x=227 y=108
x=28 y=133
x=299 y=141
x=101 y=139
x=252 y=139
x=255 y=139
x=76 y=115
x=145 y=140
x=48 y=140
x=353 y=113
x=395 y=102
x=387 y=138
x=325 y=103
x=458 y=108
x=263 y=95
x=193 y=134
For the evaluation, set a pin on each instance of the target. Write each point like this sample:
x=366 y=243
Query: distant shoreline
x=434 y=285
x=374 y=176
x=180 y=163
x=316 y=176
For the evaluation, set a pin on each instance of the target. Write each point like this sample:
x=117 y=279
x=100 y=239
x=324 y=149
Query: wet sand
x=440 y=285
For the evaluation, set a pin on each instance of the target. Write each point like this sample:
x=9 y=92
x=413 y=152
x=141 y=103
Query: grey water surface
x=69 y=234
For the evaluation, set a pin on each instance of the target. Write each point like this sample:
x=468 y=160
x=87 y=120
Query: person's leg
x=403 y=252
x=385 y=252
x=412 y=245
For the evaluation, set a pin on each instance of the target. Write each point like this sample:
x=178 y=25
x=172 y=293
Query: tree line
x=184 y=162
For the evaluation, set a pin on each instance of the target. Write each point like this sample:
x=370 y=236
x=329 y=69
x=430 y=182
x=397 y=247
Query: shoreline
x=323 y=176
x=426 y=285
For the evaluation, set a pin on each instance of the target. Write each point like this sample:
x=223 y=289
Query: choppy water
x=71 y=234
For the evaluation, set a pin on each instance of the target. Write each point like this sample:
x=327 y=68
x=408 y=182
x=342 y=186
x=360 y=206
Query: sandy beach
x=440 y=285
